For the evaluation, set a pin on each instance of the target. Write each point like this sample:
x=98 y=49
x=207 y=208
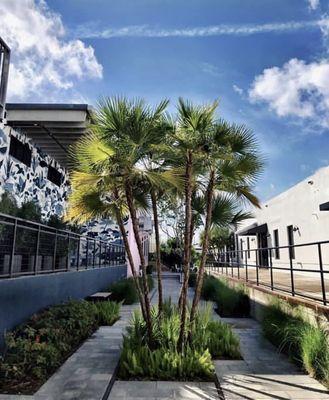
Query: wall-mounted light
x=310 y=182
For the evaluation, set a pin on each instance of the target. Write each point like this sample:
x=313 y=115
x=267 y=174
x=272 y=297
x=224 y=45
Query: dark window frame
x=54 y=176
x=291 y=242
x=276 y=244
x=22 y=152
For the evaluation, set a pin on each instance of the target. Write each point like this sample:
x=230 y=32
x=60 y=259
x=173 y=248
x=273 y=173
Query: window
x=248 y=247
x=276 y=244
x=20 y=151
x=290 y=232
x=54 y=176
x=241 y=248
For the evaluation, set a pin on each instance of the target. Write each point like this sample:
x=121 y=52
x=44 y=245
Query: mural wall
x=31 y=183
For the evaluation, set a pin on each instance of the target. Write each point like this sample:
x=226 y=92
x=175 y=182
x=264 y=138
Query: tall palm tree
x=193 y=122
x=131 y=129
x=95 y=194
x=232 y=163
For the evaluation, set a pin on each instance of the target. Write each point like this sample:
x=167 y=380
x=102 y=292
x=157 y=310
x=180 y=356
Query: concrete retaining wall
x=21 y=297
x=261 y=297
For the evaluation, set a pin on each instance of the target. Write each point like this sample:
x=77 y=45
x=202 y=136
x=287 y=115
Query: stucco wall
x=21 y=297
x=298 y=206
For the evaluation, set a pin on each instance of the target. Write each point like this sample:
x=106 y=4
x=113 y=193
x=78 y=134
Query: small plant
x=192 y=279
x=231 y=302
x=163 y=361
x=306 y=345
x=107 y=312
x=125 y=290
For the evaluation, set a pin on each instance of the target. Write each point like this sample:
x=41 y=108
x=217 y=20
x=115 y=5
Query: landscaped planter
x=209 y=340
x=38 y=347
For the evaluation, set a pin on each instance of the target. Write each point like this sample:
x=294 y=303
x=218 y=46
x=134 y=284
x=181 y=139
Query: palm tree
x=193 y=122
x=232 y=164
x=95 y=194
x=131 y=130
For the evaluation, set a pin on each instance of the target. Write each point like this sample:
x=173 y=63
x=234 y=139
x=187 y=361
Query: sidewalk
x=263 y=373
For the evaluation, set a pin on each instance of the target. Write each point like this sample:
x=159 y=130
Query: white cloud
x=210 y=69
x=238 y=90
x=297 y=89
x=45 y=64
x=92 y=31
x=313 y=4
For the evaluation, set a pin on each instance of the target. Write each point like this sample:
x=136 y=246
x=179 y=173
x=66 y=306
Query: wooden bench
x=99 y=296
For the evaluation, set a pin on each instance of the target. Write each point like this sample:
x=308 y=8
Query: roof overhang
x=52 y=127
x=254 y=229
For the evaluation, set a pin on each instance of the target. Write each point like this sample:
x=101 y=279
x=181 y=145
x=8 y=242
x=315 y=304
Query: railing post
x=78 y=255
x=271 y=269
x=100 y=254
x=291 y=273
x=257 y=274
x=37 y=251
x=87 y=253
x=323 y=285
x=12 y=256
x=55 y=251
x=94 y=253
x=68 y=252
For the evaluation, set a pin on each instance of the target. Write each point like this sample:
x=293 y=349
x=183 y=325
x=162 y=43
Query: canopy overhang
x=52 y=127
x=253 y=229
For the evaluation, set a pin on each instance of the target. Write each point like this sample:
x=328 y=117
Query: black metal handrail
x=31 y=248
x=235 y=263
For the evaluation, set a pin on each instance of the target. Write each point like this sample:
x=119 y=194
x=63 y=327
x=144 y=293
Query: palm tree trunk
x=157 y=245
x=199 y=281
x=187 y=249
x=131 y=260
x=190 y=244
x=134 y=220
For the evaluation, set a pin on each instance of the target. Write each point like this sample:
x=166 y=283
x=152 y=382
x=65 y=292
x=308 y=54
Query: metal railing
x=276 y=268
x=30 y=248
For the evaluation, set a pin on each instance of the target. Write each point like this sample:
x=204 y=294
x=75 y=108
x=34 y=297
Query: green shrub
x=125 y=290
x=107 y=312
x=192 y=279
x=163 y=361
x=36 y=348
x=231 y=302
x=306 y=345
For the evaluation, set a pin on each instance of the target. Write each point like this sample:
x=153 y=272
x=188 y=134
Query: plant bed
x=306 y=345
x=125 y=290
x=35 y=349
x=209 y=339
x=229 y=302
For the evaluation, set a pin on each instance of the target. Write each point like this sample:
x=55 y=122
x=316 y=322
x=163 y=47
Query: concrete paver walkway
x=263 y=373
x=162 y=390
x=87 y=374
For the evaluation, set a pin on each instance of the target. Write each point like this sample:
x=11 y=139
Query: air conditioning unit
x=4 y=72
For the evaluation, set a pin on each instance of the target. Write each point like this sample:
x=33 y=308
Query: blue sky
x=265 y=60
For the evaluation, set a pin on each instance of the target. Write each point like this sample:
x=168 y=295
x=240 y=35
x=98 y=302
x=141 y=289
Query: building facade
x=295 y=217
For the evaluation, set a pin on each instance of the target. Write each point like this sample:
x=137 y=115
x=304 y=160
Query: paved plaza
x=264 y=373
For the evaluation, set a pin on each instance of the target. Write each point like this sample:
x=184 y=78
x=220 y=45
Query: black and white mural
x=31 y=183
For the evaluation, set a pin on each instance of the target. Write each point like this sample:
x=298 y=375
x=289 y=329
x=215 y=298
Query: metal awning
x=253 y=230
x=52 y=127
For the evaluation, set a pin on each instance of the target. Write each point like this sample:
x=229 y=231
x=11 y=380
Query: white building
x=297 y=216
